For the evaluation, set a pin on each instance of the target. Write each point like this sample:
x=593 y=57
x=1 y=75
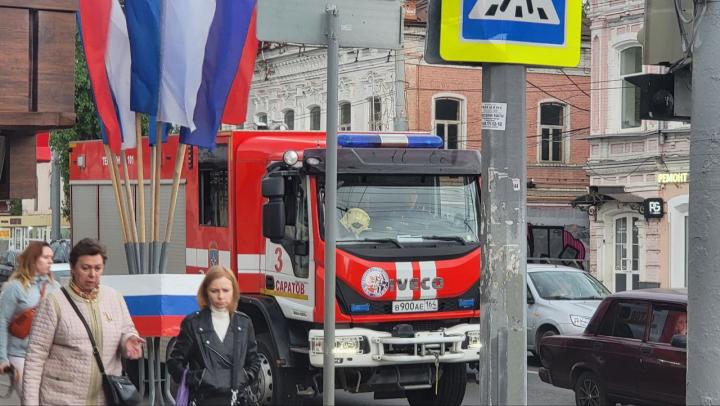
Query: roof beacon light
x=398 y=140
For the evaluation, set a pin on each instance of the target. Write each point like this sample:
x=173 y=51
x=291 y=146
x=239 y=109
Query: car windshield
x=406 y=209
x=558 y=285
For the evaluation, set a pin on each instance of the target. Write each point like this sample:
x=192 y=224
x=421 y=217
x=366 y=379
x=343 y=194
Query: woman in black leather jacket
x=216 y=344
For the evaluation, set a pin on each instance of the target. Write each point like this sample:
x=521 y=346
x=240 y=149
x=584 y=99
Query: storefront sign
x=653 y=208
x=680 y=177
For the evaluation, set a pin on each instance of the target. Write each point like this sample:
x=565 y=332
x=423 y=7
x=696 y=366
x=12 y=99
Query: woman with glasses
x=60 y=367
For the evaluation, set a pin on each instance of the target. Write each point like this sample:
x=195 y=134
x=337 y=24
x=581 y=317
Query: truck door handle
x=645 y=350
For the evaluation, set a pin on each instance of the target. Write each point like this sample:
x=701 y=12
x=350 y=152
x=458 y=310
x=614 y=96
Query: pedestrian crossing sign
x=529 y=32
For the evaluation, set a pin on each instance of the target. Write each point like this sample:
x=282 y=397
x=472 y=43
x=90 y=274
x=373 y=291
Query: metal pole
x=503 y=356
x=703 y=347
x=400 y=123
x=330 y=206
x=55 y=197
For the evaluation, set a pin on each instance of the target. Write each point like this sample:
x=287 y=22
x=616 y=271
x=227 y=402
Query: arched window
x=261 y=121
x=345 y=117
x=315 y=118
x=630 y=63
x=627 y=252
x=289 y=119
x=552 y=126
x=448 y=121
x=376 y=115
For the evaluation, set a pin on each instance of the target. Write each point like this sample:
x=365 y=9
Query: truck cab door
x=289 y=262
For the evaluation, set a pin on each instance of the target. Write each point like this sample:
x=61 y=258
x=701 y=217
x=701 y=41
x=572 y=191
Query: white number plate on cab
x=412 y=306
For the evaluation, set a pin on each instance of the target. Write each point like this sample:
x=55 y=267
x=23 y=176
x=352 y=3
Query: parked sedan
x=560 y=300
x=633 y=351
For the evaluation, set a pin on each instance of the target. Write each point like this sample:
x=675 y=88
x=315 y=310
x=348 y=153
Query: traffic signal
x=664 y=96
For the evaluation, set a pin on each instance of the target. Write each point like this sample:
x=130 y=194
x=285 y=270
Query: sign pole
x=503 y=359
x=330 y=206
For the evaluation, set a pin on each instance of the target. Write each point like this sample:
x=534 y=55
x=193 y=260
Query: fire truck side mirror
x=273 y=187
x=273 y=214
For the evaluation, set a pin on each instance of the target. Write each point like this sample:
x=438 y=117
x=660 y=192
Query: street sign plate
x=363 y=24
x=529 y=32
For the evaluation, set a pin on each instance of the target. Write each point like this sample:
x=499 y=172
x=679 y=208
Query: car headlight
x=579 y=321
x=346 y=345
x=473 y=339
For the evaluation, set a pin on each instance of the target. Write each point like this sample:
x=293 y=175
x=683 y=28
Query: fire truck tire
x=276 y=386
x=450 y=390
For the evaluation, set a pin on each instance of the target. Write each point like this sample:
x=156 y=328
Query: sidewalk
x=13 y=400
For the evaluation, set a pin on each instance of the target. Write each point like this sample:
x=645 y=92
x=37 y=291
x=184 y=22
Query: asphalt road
x=539 y=394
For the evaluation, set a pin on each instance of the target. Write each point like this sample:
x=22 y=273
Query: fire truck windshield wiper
x=445 y=238
x=390 y=240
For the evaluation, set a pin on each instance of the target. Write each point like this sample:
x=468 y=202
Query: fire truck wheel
x=450 y=390
x=275 y=386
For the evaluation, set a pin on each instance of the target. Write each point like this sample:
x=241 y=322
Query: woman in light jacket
x=60 y=368
x=217 y=344
x=30 y=281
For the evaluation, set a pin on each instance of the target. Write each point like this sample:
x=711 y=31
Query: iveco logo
x=416 y=283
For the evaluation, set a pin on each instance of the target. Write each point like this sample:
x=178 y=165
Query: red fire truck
x=408 y=252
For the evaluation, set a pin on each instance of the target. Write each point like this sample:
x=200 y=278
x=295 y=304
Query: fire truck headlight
x=290 y=158
x=347 y=345
x=473 y=339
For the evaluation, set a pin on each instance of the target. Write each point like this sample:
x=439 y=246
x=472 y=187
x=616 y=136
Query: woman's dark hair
x=87 y=246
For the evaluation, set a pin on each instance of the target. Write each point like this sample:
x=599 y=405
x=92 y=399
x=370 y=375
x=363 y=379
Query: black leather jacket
x=191 y=350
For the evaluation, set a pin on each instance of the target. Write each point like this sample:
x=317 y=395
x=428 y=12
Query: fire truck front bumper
x=360 y=347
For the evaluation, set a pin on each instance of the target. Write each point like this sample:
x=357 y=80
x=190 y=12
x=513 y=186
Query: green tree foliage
x=16 y=207
x=86 y=122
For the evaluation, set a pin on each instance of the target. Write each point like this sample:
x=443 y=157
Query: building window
x=630 y=63
x=315 y=118
x=447 y=121
x=376 y=123
x=345 y=118
x=261 y=121
x=552 y=124
x=289 y=119
x=213 y=184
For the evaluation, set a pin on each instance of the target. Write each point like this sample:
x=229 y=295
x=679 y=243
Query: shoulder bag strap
x=96 y=353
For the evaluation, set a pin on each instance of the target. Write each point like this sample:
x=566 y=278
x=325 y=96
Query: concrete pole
x=55 y=197
x=330 y=207
x=503 y=356
x=703 y=350
x=400 y=122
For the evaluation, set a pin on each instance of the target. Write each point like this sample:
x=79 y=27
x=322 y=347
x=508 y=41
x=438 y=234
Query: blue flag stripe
x=161 y=305
x=143 y=23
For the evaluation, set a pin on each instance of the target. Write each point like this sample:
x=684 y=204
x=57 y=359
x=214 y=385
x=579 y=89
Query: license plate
x=412 y=306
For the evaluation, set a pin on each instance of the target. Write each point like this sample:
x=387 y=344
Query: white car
x=560 y=300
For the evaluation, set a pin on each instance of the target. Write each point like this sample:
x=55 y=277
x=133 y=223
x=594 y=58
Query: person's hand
x=4 y=366
x=133 y=347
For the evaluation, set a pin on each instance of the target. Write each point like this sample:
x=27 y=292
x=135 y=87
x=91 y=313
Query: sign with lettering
x=679 y=177
x=653 y=208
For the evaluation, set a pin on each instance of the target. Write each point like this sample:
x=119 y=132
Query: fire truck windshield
x=406 y=209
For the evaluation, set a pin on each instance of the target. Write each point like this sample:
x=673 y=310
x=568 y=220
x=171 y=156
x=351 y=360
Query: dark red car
x=633 y=351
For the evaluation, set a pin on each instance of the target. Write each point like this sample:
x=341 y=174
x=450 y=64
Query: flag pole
x=141 y=192
x=153 y=163
x=130 y=207
x=179 y=160
x=156 y=208
x=116 y=191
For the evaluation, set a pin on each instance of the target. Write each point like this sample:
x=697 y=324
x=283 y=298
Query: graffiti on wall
x=557 y=242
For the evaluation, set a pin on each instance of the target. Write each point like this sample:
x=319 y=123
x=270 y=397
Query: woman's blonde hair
x=217 y=272
x=25 y=269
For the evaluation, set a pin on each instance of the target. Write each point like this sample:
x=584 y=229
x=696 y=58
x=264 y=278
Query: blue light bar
x=357 y=308
x=397 y=140
x=466 y=303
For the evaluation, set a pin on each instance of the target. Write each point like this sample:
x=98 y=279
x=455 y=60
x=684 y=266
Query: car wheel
x=589 y=391
x=538 y=341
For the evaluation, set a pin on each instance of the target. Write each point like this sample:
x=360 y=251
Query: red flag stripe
x=236 y=105
x=95 y=20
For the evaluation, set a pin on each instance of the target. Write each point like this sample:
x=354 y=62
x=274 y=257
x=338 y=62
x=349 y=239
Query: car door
x=617 y=345
x=664 y=366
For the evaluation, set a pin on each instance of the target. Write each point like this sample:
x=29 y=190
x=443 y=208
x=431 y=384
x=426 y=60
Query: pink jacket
x=59 y=365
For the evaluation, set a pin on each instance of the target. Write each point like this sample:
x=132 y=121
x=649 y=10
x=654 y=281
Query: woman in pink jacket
x=59 y=365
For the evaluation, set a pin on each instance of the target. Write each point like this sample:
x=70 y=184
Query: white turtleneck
x=220 y=321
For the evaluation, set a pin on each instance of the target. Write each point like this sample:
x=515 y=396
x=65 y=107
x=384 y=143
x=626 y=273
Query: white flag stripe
x=184 y=34
x=155 y=284
x=117 y=63
x=427 y=271
x=403 y=273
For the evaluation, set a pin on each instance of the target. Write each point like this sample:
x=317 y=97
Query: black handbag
x=119 y=389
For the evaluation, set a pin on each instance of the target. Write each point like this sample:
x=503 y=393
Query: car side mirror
x=273 y=186
x=679 y=341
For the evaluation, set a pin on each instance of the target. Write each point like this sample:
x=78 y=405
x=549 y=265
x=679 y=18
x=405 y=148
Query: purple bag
x=182 y=397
